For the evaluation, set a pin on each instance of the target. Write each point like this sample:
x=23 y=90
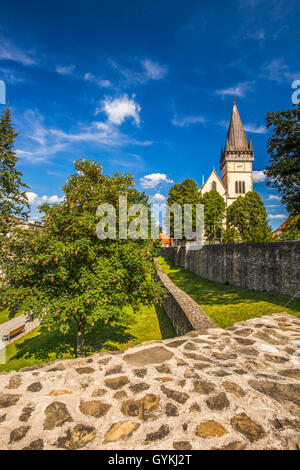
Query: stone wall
x=271 y=266
x=184 y=313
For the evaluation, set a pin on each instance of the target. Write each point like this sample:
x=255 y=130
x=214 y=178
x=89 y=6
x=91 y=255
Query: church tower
x=236 y=160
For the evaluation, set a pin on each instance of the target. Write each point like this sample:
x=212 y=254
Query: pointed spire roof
x=236 y=137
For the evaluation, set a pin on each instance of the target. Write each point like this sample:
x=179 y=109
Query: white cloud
x=119 y=109
x=187 y=121
x=255 y=129
x=277 y=216
x=65 y=69
x=12 y=76
x=9 y=51
x=153 y=70
x=273 y=197
x=158 y=198
x=39 y=142
x=149 y=71
x=259 y=176
x=153 y=180
x=89 y=77
x=31 y=197
x=34 y=199
x=239 y=90
x=277 y=70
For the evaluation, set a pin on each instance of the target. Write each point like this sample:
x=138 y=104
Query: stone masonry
x=273 y=266
x=184 y=313
x=210 y=389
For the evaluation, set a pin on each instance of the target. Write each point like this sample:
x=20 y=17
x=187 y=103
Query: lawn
x=227 y=304
x=40 y=345
x=4 y=316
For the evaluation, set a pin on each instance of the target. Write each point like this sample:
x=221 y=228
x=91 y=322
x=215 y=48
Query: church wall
x=272 y=266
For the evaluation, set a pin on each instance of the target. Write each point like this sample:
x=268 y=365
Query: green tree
x=291 y=230
x=186 y=192
x=284 y=150
x=13 y=200
x=231 y=235
x=249 y=216
x=65 y=275
x=214 y=213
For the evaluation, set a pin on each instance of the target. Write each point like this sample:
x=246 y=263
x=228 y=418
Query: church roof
x=236 y=137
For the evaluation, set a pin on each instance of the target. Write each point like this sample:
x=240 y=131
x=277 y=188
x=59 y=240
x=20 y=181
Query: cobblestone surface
x=211 y=389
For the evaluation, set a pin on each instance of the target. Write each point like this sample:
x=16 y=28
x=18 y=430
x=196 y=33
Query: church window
x=244 y=187
x=240 y=187
x=213 y=185
x=236 y=186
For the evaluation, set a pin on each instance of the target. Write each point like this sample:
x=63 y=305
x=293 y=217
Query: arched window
x=240 y=187
x=236 y=187
x=214 y=185
x=244 y=187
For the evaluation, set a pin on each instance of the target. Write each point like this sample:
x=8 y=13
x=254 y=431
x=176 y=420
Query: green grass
x=227 y=304
x=41 y=346
x=4 y=316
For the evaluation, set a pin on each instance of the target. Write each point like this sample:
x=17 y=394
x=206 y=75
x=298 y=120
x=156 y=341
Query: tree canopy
x=64 y=274
x=214 y=213
x=284 y=151
x=186 y=192
x=13 y=199
x=249 y=216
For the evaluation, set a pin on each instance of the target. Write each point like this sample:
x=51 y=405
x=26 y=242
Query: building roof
x=236 y=136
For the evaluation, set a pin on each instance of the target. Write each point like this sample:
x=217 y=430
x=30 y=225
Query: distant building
x=235 y=163
x=165 y=239
x=29 y=225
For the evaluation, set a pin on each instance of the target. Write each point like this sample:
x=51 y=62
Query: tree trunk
x=80 y=341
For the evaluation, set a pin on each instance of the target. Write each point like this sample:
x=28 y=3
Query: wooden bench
x=13 y=333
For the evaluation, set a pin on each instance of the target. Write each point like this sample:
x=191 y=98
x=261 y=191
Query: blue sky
x=144 y=86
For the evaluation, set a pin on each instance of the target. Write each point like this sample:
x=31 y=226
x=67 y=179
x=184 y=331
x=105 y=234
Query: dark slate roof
x=236 y=137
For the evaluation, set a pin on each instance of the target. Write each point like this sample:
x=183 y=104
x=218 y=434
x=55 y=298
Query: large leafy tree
x=186 y=192
x=214 y=213
x=13 y=200
x=284 y=151
x=249 y=216
x=65 y=275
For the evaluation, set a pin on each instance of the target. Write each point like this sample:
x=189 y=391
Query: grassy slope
x=227 y=304
x=42 y=346
x=4 y=316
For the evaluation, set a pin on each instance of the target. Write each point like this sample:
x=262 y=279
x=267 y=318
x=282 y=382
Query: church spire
x=236 y=137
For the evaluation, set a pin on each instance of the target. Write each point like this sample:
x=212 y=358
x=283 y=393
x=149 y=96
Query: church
x=235 y=163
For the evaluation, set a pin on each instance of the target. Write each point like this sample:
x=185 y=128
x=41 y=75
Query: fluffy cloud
x=153 y=180
x=239 y=90
x=158 y=198
x=187 y=121
x=65 y=69
x=259 y=176
x=41 y=142
x=153 y=70
x=34 y=199
x=119 y=109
